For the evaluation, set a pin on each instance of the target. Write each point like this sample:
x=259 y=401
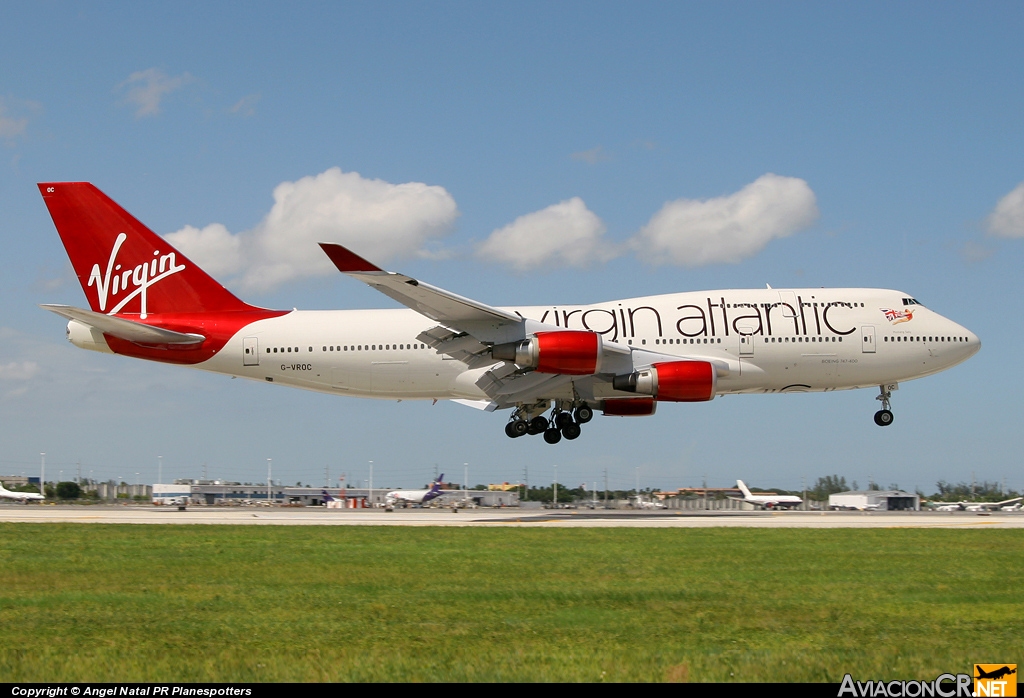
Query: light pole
x=554 y=498
x=160 y=469
x=370 y=498
x=269 y=463
x=42 y=474
x=465 y=480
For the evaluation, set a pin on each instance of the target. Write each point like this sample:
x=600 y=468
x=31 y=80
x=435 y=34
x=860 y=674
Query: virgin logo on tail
x=141 y=277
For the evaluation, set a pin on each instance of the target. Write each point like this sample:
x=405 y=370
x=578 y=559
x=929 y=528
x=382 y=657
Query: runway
x=270 y=516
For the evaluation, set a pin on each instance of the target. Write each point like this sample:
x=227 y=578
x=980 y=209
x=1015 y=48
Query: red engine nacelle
x=571 y=353
x=673 y=381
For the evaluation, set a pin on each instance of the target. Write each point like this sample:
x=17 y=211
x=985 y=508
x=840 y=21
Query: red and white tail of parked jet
x=551 y=366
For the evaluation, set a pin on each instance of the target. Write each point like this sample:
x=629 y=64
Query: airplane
x=995 y=673
x=1005 y=505
x=20 y=496
x=767 y=501
x=641 y=503
x=406 y=497
x=551 y=366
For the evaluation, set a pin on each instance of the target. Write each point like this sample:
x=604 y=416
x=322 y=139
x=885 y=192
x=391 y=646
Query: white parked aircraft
x=623 y=357
x=767 y=501
x=414 y=496
x=20 y=496
x=1005 y=505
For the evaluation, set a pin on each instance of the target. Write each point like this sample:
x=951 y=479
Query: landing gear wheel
x=584 y=414
x=562 y=418
x=516 y=428
x=538 y=425
x=883 y=417
x=571 y=431
x=552 y=436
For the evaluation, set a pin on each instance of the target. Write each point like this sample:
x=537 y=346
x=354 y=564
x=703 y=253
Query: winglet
x=346 y=260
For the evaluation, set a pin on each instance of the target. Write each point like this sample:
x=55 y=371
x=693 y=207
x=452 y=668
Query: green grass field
x=268 y=603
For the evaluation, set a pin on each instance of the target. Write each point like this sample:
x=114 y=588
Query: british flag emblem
x=897 y=316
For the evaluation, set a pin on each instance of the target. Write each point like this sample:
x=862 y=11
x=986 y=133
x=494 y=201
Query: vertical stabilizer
x=123 y=266
x=743 y=488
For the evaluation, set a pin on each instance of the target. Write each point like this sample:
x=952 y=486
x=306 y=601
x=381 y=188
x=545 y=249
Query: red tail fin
x=124 y=267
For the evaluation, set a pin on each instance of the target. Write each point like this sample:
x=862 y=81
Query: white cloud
x=592 y=156
x=1007 y=220
x=147 y=88
x=972 y=252
x=565 y=234
x=376 y=219
x=246 y=106
x=692 y=232
x=10 y=126
x=13 y=122
x=213 y=248
x=19 y=370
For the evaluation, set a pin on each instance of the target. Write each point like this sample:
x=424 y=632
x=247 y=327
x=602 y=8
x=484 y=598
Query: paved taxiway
x=502 y=517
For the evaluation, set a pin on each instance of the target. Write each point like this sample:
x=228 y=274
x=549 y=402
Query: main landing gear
x=564 y=422
x=883 y=417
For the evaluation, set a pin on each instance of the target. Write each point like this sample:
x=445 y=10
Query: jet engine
x=571 y=353
x=672 y=381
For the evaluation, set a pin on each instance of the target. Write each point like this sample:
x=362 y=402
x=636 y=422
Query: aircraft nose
x=971 y=343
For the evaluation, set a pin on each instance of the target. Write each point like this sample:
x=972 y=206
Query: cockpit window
x=911 y=301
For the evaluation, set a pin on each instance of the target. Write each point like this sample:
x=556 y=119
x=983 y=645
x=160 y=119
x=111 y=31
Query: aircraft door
x=250 y=351
x=867 y=339
x=746 y=341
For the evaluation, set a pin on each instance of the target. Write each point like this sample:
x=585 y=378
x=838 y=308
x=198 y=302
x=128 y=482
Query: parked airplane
x=767 y=501
x=20 y=496
x=623 y=357
x=977 y=506
x=414 y=496
x=640 y=503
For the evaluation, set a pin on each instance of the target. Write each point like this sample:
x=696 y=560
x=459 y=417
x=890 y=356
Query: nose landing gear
x=883 y=417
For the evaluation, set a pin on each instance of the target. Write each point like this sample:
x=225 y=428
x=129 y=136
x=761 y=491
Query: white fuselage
x=771 y=341
x=20 y=496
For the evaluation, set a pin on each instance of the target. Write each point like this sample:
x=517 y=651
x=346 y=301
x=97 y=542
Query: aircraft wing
x=124 y=329
x=437 y=304
x=466 y=329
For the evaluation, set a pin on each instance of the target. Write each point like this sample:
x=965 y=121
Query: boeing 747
x=551 y=366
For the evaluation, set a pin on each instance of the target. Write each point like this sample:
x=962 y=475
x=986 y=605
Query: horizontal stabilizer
x=124 y=329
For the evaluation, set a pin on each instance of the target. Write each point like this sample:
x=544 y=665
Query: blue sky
x=904 y=122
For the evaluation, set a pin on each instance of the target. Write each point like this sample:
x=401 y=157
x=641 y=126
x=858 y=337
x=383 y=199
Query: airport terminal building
x=223 y=493
x=880 y=500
